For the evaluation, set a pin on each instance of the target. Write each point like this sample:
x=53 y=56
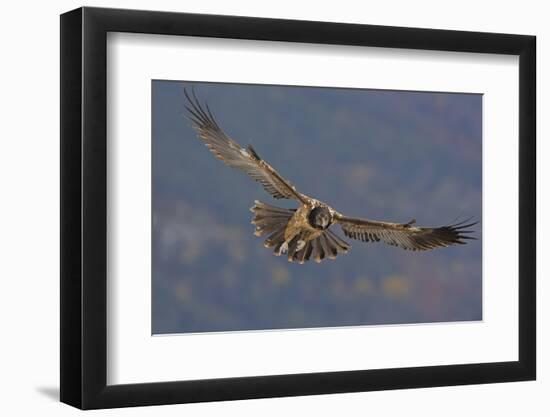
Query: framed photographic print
x=258 y=208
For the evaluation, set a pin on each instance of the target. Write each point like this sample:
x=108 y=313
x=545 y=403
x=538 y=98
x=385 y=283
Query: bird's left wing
x=235 y=156
x=405 y=235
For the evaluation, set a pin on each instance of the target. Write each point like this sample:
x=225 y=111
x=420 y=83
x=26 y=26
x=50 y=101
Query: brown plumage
x=302 y=234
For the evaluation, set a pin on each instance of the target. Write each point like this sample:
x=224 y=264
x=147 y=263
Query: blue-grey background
x=386 y=155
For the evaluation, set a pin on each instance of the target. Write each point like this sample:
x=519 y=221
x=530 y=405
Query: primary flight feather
x=303 y=233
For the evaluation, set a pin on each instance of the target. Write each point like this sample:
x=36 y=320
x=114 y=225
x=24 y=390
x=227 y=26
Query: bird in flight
x=304 y=233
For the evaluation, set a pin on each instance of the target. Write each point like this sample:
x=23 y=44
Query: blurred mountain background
x=386 y=155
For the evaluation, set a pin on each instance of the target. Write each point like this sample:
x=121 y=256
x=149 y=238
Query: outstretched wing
x=406 y=235
x=230 y=152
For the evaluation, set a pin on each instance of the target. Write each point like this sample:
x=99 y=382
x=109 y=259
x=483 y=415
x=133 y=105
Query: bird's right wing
x=235 y=156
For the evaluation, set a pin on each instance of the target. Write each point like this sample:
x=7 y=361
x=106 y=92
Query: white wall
x=29 y=213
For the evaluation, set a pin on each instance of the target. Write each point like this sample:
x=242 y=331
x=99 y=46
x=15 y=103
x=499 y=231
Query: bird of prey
x=303 y=233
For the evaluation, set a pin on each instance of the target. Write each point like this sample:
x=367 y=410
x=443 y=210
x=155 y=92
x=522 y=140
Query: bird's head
x=320 y=218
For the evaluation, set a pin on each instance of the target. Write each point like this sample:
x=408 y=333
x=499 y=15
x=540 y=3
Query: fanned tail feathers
x=327 y=245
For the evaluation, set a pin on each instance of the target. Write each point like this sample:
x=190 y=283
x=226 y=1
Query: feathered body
x=282 y=225
x=303 y=233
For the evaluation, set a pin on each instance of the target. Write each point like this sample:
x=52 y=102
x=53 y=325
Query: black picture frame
x=84 y=207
